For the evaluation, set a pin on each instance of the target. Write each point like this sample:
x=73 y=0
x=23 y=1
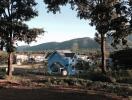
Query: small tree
x=13 y=15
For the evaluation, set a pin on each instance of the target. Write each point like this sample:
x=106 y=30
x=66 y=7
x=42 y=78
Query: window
x=73 y=67
x=66 y=65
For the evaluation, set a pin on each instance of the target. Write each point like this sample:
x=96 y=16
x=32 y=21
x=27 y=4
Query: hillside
x=80 y=43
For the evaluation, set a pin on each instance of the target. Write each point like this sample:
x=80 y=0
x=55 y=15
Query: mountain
x=22 y=48
x=81 y=43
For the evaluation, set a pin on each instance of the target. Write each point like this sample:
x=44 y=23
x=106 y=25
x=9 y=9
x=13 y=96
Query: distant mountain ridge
x=81 y=43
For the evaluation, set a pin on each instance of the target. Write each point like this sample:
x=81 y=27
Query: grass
x=117 y=88
x=90 y=80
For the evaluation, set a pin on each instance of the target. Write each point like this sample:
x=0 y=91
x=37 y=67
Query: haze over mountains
x=79 y=43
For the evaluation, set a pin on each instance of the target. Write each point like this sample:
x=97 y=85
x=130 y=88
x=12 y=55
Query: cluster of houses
x=59 y=61
x=29 y=57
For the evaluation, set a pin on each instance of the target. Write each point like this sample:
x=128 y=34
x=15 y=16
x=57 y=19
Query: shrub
x=122 y=59
x=102 y=78
x=3 y=57
x=2 y=72
x=125 y=80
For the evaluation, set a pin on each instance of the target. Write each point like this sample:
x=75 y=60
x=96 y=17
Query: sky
x=61 y=26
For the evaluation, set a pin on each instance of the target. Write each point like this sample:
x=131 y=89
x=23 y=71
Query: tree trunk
x=1 y=45
x=103 y=67
x=9 y=71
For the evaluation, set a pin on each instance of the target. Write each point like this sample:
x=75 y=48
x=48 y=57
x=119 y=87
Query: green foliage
x=122 y=76
x=2 y=72
x=101 y=77
x=122 y=58
x=3 y=57
x=97 y=75
x=13 y=14
x=82 y=65
x=127 y=80
x=119 y=89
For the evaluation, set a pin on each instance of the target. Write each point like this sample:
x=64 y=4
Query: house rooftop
x=71 y=55
x=64 y=53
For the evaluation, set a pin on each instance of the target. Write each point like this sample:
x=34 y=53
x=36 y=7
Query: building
x=62 y=62
x=29 y=57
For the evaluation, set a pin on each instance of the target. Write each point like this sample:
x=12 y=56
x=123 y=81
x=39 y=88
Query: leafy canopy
x=13 y=15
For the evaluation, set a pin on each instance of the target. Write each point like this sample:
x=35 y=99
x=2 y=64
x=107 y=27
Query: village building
x=62 y=62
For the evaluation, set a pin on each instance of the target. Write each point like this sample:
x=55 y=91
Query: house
x=83 y=57
x=38 y=57
x=62 y=62
x=21 y=57
x=29 y=57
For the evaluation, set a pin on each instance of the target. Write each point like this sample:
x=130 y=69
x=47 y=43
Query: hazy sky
x=60 y=27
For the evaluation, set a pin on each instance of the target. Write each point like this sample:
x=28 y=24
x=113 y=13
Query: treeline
x=122 y=59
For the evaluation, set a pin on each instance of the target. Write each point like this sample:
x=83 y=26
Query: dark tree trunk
x=9 y=71
x=103 y=66
x=1 y=45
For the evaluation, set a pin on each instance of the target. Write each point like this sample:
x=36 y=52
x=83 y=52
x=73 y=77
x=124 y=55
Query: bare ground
x=23 y=87
x=25 y=93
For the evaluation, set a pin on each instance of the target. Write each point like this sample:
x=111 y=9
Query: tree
x=121 y=23
x=97 y=11
x=13 y=15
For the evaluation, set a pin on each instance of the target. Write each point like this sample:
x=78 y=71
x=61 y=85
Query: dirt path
x=47 y=94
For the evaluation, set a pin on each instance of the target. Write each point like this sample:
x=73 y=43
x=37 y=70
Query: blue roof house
x=62 y=61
